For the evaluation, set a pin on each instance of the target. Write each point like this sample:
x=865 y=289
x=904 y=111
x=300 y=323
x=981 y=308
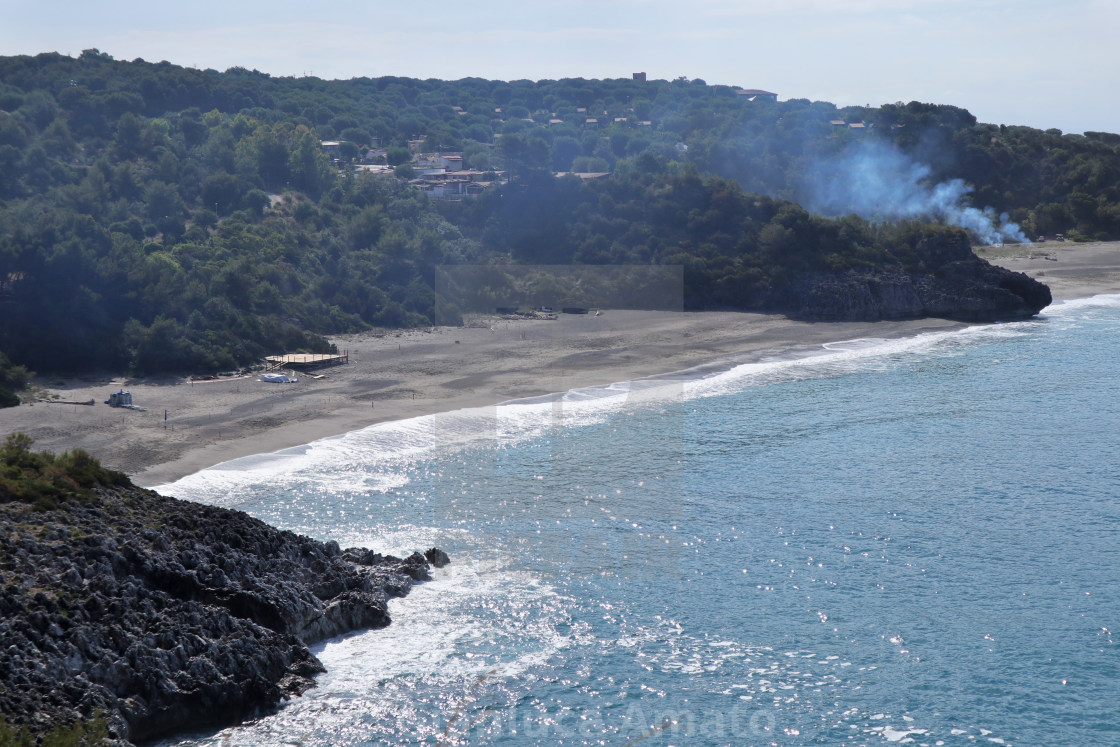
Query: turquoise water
x=905 y=541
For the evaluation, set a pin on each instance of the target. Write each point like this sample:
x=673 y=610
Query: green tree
x=523 y=155
x=309 y=166
x=264 y=155
x=398 y=155
x=13 y=379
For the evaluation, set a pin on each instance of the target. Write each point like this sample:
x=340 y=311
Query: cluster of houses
x=439 y=175
x=858 y=126
x=443 y=176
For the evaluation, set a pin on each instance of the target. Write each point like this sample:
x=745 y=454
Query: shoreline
x=404 y=374
x=165 y=651
x=1071 y=270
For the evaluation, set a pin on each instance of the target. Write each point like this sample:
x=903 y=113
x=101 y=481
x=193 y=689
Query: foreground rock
x=950 y=283
x=164 y=615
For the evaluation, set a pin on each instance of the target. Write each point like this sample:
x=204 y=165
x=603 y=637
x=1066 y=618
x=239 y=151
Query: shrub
x=45 y=480
x=80 y=734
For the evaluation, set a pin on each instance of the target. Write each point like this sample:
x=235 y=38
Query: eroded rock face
x=958 y=285
x=165 y=614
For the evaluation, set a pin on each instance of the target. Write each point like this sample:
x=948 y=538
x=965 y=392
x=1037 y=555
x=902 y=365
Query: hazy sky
x=1043 y=63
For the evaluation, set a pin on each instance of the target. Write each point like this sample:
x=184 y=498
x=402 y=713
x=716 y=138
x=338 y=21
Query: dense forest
x=160 y=218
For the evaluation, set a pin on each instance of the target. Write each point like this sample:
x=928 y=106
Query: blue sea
x=911 y=541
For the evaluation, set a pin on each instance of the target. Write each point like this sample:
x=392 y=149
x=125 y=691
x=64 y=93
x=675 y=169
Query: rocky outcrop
x=954 y=284
x=164 y=614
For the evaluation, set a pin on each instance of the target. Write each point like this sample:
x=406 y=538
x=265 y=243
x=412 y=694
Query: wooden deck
x=308 y=360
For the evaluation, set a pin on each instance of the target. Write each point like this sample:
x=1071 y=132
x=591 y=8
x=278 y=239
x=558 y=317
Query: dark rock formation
x=956 y=285
x=164 y=614
x=437 y=557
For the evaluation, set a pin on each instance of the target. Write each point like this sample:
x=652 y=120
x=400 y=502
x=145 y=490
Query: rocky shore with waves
x=161 y=615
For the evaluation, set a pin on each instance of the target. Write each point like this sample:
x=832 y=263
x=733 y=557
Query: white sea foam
x=522 y=631
x=845 y=357
x=473 y=629
x=377 y=458
x=1104 y=300
x=436 y=633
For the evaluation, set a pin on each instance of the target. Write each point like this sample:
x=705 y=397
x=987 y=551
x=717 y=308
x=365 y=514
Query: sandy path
x=401 y=375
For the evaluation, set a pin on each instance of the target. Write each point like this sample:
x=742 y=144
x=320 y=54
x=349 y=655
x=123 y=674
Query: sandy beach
x=190 y=425
x=1071 y=270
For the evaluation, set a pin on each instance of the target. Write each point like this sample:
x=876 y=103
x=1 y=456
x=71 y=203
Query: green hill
x=157 y=218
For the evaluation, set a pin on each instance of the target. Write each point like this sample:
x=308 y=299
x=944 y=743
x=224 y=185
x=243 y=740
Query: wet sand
x=189 y=426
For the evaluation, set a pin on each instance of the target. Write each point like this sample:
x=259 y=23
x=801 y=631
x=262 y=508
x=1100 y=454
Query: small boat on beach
x=278 y=378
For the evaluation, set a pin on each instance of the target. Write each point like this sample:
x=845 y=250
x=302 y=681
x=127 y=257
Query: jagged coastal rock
x=164 y=615
x=956 y=285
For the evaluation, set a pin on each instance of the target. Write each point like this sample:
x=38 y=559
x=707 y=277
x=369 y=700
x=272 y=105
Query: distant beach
x=1071 y=270
x=190 y=425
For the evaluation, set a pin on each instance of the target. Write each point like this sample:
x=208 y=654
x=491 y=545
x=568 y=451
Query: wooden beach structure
x=307 y=361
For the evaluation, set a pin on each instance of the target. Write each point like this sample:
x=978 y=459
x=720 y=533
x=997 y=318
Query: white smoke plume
x=878 y=182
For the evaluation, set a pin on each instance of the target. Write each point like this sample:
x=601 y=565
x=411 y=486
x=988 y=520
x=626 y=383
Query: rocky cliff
x=951 y=282
x=163 y=614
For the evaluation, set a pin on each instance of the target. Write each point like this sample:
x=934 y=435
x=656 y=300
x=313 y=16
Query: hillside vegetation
x=159 y=218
